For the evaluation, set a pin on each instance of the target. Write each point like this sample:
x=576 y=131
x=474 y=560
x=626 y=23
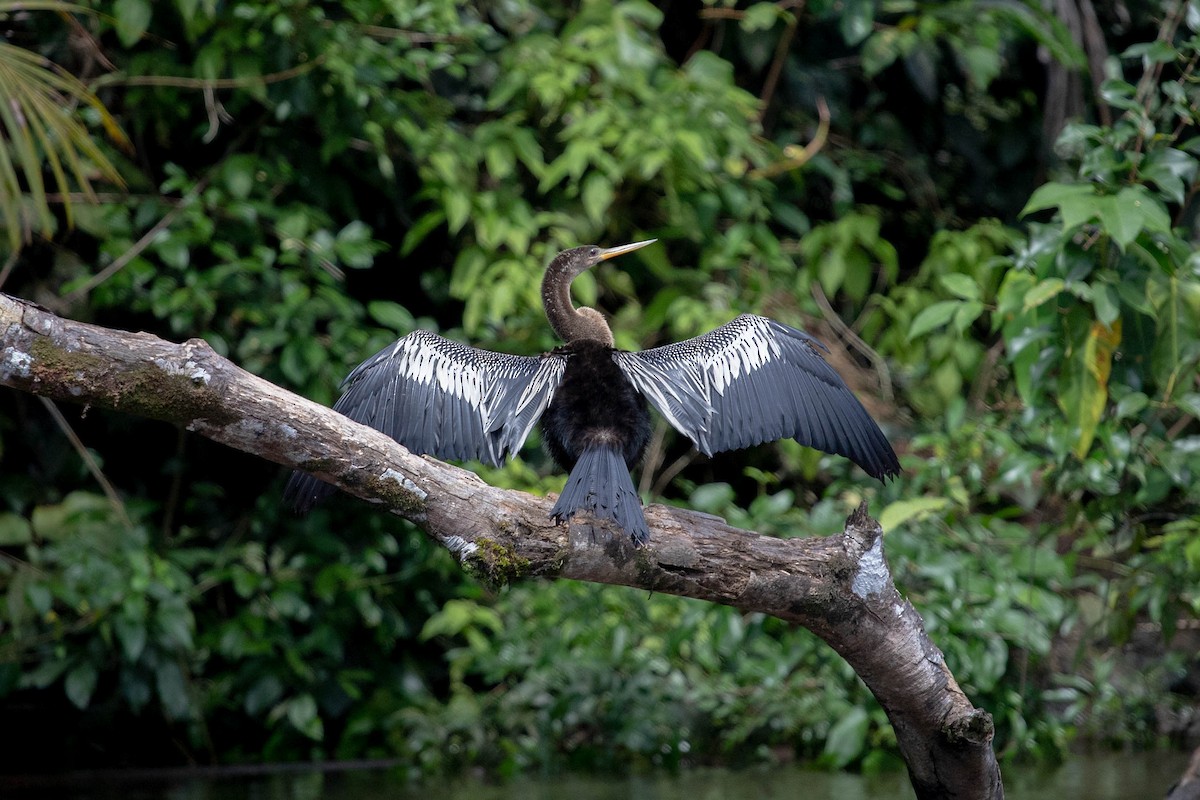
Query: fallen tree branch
x=839 y=587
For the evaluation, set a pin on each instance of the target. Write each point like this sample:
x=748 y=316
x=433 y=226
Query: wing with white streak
x=755 y=380
x=445 y=399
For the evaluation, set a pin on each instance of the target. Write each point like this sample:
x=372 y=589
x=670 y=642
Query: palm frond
x=40 y=128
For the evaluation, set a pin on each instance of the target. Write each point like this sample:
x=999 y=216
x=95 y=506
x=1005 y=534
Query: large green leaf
x=960 y=285
x=133 y=17
x=1043 y=292
x=1177 y=324
x=901 y=511
x=847 y=738
x=1059 y=195
x=1131 y=211
x=935 y=316
x=1086 y=383
x=81 y=683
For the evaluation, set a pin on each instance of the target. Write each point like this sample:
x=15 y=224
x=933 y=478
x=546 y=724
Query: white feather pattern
x=755 y=380
x=449 y=400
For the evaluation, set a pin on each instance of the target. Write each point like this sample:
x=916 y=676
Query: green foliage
x=849 y=255
x=976 y=34
x=569 y=662
x=41 y=132
x=645 y=131
x=314 y=179
x=1112 y=273
x=1103 y=315
x=121 y=604
x=928 y=320
x=1096 y=314
x=259 y=290
x=289 y=634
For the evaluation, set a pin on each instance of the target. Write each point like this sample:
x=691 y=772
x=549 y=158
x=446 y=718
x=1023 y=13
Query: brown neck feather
x=570 y=323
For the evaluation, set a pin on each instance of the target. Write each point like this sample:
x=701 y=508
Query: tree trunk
x=839 y=587
x=1188 y=787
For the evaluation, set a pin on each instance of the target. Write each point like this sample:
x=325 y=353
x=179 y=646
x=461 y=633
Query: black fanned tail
x=599 y=485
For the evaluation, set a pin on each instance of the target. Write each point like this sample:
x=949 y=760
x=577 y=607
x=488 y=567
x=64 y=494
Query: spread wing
x=445 y=399
x=755 y=380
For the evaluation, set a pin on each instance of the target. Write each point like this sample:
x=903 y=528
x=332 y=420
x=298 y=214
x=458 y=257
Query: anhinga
x=751 y=380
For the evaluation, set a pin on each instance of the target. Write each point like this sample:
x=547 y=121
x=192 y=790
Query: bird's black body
x=748 y=381
x=594 y=405
x=596 y=428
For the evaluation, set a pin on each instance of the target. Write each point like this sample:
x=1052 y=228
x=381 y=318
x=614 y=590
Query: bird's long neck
x=570 y=323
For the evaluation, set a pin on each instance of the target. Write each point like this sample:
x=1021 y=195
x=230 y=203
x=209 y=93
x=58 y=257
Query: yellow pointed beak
x=620 y=250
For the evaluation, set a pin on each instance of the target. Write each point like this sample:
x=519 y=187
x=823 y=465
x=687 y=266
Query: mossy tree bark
x=839 y=587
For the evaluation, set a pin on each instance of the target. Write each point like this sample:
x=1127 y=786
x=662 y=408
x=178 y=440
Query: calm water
x=1109 y=776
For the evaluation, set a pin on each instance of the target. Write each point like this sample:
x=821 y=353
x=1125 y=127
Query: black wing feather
x=445 y=399
x=755 y=380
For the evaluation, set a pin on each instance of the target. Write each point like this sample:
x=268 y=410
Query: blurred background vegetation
x=987 y=209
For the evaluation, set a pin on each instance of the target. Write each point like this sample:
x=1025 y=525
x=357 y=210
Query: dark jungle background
x=986 y=209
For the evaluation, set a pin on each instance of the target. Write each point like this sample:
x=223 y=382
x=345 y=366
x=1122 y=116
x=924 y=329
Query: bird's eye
x=595 y=251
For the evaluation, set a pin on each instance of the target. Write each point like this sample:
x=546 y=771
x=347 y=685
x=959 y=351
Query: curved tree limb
x=839 y=587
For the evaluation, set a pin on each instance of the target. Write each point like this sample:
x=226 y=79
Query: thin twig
x=653 y=458
x=181 y=82
x=89 y=460
x=141 y=244
x=1096 y=52
x=776 y=69
x=1184 y=78
x=1166 y=33
x=216 y=114
x=721 y=13
x=9 y=263
x=133 y=252
x=412 y=37
x=983 y=380
x=796 y=156
x=667 y=475
x=882 y=373
x=100 y=197
x=1179 y=427
x=171 y=505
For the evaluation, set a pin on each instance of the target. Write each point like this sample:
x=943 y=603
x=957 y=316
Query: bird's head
x=581 y=259
x=570 y=323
